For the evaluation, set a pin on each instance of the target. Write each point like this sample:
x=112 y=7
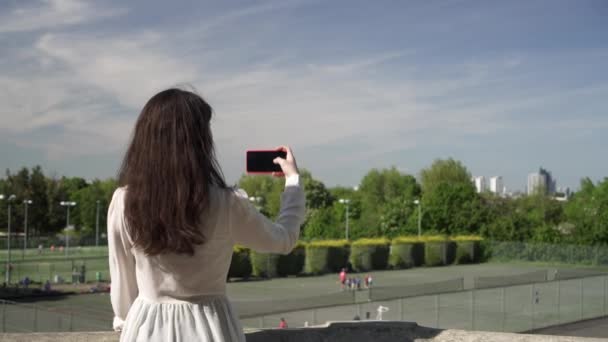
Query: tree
x=396 y=217
x=386 y=199
x=450 y=203
x=18 y=185
x=587 y=211
x=451 y=208
x=317 y=195
x=323 y=223
x=444 y=170
x=265 y=188
x=87 y=198
x=37 y=211
x=56 y=192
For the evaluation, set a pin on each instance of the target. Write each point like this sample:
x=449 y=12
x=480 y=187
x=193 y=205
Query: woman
x=172 y=224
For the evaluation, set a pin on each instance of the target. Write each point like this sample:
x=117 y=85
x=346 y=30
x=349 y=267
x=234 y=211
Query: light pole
x=419 y=204
x=97 y=226
x=67 y=204
x=7 y=278
x=347 y=203
x=25 y=205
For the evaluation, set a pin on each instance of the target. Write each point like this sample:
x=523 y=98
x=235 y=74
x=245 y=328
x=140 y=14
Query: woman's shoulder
x=119 y=195
x=231 y=192
x=119 y=192
x=230 y=197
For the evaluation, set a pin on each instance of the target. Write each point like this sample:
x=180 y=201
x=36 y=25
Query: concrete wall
x=377 y=331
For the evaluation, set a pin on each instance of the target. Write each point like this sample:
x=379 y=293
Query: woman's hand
x=288 y=165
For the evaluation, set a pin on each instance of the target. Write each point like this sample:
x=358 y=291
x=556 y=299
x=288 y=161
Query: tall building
x=541 y=181
x=497 y=185
x=480 y=184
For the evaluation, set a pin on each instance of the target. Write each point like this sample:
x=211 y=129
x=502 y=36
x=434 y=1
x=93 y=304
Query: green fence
x=60 y=269
x=545 y=252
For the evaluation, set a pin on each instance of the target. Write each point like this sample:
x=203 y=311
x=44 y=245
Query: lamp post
x=419 y=204
x=97 y=226
x=26 y=203
x=7 y=278
x=67 y=204
x=347 y=203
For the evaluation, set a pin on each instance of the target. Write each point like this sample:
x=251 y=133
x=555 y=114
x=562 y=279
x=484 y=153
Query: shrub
x=326 y=256
x=264 y=264
x=438 y=250
x=292 y=263
x=240 y=265
x=468 y=249
x=369 y=254
x=406 y=252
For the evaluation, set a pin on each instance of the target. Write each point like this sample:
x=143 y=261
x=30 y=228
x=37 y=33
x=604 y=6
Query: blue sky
x=504 y=86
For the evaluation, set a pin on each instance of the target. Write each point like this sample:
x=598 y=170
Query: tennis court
x=439 y=296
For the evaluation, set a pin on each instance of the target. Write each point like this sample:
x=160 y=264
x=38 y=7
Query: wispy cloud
x=359 y=64
x=71 y=92
x=49 y=14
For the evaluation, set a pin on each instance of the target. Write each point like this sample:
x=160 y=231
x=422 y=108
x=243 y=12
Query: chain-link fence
x=57 y=270
x=19 y=317
x=260 y=307
x=516 y=308
x=513 y=308
x=17 y=242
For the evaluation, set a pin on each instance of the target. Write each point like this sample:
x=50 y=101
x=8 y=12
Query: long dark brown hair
x=168 y=170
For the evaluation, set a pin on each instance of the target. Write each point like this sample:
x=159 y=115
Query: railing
x=332 y=332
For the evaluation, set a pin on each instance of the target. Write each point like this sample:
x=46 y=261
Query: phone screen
x=262 y=161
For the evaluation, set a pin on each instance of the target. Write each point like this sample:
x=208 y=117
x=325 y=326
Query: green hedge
x=319 y=257
x=564 y=253
x=468 y=249
x=264 y=264
x=292 y=263
x=326 y=256
x=240 y=265
x=406 y=252
x=369 y=254
x=438 y=251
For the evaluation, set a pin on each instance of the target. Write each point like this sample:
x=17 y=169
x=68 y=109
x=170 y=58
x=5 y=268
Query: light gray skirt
x=209 y=319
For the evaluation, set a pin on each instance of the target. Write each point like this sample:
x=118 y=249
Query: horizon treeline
x=385 y=204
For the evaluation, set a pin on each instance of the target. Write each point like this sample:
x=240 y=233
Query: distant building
x=497 y=185
x=480 y=184
x=541 y=181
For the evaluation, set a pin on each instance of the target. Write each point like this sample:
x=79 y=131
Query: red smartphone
x=261 y=161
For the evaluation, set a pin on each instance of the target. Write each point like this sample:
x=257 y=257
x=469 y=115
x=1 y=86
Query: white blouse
x=154 y=285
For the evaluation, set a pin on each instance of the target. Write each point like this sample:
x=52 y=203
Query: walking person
x=173 y=222
x=343 y=278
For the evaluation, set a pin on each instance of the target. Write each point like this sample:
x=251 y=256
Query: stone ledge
x=377 y=331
